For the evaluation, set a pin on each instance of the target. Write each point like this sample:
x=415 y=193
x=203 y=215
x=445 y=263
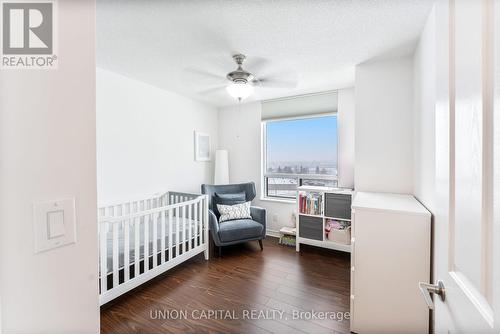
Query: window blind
x=302 y=105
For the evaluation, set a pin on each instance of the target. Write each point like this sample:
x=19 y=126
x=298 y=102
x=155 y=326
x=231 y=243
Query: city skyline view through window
x=305 y=148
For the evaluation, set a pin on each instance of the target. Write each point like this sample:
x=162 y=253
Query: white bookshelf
x=323 y=241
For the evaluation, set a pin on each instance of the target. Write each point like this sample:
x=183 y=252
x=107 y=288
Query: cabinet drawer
x=311 y=227
x=338 y=206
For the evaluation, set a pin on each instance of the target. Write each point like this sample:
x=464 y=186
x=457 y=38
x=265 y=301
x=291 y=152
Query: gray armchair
x=234 y=231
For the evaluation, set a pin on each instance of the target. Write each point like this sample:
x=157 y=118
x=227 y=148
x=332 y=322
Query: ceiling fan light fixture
x=240 y=90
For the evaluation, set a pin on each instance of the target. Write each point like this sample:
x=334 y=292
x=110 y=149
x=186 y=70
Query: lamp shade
x=240 y=90
x=221 y=167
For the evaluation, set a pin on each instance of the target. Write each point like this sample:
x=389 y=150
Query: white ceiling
x=317 y=42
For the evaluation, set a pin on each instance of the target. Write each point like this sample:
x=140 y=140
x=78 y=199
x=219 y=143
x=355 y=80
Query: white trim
x=304 y=176
x=263 y=150
x=278 y=200
x=475 y=297
x=302 y=95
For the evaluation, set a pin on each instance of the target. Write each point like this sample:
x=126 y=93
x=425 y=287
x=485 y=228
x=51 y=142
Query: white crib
x=141 y=239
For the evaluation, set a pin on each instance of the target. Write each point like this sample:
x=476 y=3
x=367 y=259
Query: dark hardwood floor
x=245 y=283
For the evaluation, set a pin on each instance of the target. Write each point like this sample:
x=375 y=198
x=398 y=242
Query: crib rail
x=135 y=205
x=139 y=240
x=174 y=197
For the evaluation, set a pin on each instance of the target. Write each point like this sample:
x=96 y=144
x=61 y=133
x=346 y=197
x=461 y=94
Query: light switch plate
x=54 y=224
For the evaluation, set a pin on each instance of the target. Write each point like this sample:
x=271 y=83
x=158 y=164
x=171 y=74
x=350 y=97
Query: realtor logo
x=28 y=34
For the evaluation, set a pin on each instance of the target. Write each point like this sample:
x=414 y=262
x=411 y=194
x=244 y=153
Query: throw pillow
x=232 y=212
x=227 y=199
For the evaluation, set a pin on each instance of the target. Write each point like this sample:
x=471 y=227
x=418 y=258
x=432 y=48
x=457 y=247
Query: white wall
x=425 y=113
x=240 y=134
x=145 y=139
x=384 y=126
x=47 y=145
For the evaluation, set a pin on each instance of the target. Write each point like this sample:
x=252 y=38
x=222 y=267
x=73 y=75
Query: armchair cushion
x=240 y=229
x=227 y=199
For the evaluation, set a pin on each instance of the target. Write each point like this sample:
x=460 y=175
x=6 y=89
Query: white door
x=467 y=219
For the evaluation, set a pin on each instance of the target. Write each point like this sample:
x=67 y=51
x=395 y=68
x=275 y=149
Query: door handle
x=427 y=289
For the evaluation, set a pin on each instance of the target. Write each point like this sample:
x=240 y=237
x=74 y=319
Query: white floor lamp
x=221 y=167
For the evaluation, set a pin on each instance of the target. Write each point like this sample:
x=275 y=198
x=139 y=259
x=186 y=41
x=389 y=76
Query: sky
x=310 y=139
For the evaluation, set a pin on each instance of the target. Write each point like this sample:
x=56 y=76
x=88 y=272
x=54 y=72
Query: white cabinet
x=390 y=256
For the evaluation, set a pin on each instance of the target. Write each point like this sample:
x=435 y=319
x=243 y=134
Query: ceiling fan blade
x=255 y=64
x=275 y=83
x=198 y=76
x=212 y=90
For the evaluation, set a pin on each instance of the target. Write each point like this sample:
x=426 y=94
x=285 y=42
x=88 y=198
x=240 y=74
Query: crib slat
x=205 y=220
x=146 y=243
x=198 y=223
x=177 y=241
x=162 y=244
x=104 y=257
x=137 y=236
x=170 y=222
x=195 y=224
x=184 y=234
x=190 y=226
x=126 y=249
x=155 y=239
x=115 y=254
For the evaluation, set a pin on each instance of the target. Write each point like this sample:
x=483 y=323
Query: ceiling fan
x=240 y=83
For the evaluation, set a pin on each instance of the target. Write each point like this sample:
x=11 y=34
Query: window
x=299 y=152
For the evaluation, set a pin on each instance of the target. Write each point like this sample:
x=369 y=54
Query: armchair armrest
x=213 y=225
x=259 y=215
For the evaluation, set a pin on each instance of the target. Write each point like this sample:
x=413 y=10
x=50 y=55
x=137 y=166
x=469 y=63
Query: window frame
x=265 y=175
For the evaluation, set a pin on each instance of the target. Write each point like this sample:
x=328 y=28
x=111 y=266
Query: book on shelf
x=310 y=203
